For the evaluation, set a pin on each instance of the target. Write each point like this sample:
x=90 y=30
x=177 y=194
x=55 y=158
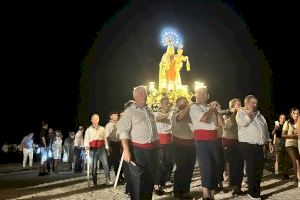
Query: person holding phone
x=279 y=146
x=291 y=143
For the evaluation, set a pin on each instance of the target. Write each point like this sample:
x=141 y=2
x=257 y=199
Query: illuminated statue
x=171 y=63
x=179 y=59
x=169 y=69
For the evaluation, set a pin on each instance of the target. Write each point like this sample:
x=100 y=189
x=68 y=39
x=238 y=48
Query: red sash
x=165 y=138
x=96 y=143
x=151 y=145
x=205 y=134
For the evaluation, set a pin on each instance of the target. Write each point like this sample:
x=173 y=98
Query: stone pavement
x=25 y=184
x=19 y=183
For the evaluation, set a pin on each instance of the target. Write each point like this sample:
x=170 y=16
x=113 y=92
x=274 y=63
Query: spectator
x=27 y=148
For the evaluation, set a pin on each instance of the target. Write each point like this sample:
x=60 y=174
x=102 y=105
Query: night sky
x=65 y=62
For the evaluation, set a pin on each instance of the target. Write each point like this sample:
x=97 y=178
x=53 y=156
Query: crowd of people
x=164 y=145
x=171 y=140
x=50 y=149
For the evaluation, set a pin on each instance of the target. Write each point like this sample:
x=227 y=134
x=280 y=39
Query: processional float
x=169 y=81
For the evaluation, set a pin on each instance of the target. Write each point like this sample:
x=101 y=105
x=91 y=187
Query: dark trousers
x=78 y=151
x=116 y=156
x=165 y=165
x=95 y=155
x=234 y=158
x=254 y=156
x=221 y=165
x=50 y=164
x=140 y=178
x=208 y=156
x=184 y=159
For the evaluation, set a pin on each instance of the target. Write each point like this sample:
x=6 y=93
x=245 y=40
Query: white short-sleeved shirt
x=196 y=113
x=138 y=124
x=252 y=131
x=163 y=127
x=111 y=131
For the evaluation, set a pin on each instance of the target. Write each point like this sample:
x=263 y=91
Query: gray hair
x=138 y=88
x=95 y=115
x=248 y=97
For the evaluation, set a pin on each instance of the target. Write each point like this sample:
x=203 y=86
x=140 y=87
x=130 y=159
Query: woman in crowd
x=279 y=146
x=291 y=143
x=231 y=147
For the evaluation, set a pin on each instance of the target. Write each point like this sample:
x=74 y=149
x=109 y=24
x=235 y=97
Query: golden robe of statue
x=169 y=69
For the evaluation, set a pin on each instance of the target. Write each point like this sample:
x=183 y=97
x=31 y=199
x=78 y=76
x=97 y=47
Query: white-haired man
x=206 y=120
x=139 y=138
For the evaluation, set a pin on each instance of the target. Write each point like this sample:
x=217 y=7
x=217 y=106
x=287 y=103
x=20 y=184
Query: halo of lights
x=170 y=37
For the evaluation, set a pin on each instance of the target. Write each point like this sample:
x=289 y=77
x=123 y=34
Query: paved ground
x=16 y=183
